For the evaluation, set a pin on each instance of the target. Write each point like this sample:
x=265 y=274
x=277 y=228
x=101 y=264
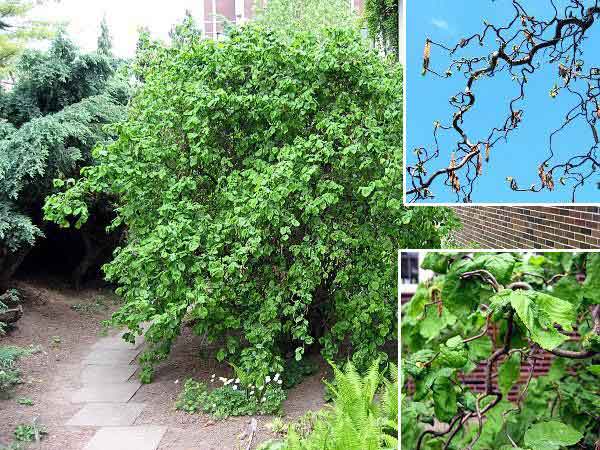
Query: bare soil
x=65 y=336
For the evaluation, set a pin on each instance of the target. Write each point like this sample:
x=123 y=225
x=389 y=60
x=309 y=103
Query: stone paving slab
x=106 y=393
x=106 y=415
x=108 y=357
x=98 y=374
x=117 y=343
x=127 y=438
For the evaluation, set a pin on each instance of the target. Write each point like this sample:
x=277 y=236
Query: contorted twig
x=463 y=416
x=521 y=47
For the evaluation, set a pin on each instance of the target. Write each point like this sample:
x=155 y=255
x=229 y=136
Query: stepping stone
x=117 y=343
x=106 y=393
x=95 y=374
x=108 y=357
x=127 y=438
x=106 y=415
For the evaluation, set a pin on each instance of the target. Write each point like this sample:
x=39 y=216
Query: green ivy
x=382 y=21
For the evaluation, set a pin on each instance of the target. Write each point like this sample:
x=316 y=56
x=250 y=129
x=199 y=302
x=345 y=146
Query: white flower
x=276 y=377
x=260 y=388
x=235 y=387
x=222 y=380
x=251 y=392
x=237 y=381
x=279 y=381
x=263 y=399
x=214 y=405
x=267 y=379
x=250 y=386
x=228 y=382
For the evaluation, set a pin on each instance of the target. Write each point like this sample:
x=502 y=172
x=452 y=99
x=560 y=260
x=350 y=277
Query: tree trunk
x=91 y=254
x=9 y=263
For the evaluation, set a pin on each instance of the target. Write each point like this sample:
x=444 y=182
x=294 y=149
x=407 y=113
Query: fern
x=364 y=415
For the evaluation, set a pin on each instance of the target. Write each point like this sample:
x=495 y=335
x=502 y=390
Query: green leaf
x=462 y=296
x=559 y=311
x=509 y=372
x=569 y=289
x=444 y=399
x=595 y=369
x=453 y=353
x=591 y=286
x=539 y=312
x=551 y=435
x=480 y=349
x=437 y=262
x=500 y=265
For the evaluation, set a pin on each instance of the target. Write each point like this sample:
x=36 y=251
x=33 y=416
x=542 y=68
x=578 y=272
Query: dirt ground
x=65 y=336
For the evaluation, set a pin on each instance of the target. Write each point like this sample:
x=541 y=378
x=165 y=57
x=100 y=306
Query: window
x=409 y=268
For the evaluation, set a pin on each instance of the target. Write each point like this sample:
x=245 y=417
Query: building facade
x=216 y=13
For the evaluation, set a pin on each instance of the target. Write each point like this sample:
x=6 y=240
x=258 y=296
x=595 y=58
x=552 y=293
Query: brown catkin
x=487 y=152
x=542 y=174
x=426 y=56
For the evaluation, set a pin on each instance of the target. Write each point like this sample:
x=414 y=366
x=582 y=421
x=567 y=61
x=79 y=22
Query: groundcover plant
x=258 y=180
x=526 y=78
x=500 y=312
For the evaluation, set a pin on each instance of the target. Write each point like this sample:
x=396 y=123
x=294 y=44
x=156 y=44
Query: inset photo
x=503 y=102
x=500 y=350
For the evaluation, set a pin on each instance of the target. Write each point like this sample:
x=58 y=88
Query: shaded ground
x=65 y=336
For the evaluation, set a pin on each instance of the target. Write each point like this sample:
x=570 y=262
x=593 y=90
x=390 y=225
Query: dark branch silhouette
x=521 y=47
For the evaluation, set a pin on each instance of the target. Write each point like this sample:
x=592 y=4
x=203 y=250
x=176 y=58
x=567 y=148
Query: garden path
x=105 y=395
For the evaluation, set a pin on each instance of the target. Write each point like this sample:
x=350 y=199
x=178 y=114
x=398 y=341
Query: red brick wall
x=529 y=227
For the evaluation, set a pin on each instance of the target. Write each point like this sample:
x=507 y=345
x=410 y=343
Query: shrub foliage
x=260 y=183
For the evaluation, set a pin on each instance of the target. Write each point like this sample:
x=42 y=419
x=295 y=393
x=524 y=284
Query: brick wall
x=529 y=227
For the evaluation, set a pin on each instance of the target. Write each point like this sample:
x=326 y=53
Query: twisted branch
x=518 y=46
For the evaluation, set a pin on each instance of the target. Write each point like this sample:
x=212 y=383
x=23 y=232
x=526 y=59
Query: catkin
x=426 y=56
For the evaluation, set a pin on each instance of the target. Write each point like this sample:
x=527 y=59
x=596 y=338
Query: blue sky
x=427 y=101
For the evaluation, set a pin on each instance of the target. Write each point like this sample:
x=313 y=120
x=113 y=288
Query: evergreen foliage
x=16 y=30
x=49 y=123
x=105 y=39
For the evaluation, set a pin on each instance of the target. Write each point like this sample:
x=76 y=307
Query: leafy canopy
x=17 y=30
x=259 y=180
